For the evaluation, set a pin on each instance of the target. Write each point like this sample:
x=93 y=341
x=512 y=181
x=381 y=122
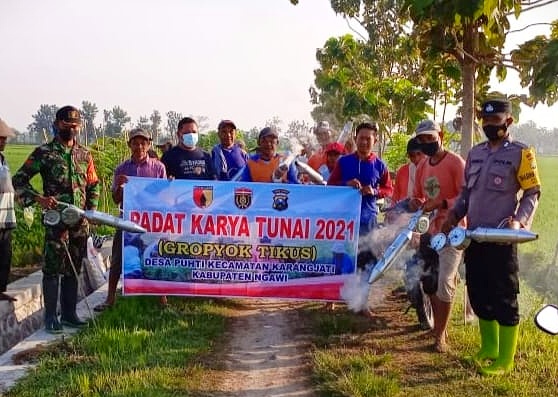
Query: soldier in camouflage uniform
x=68 y=176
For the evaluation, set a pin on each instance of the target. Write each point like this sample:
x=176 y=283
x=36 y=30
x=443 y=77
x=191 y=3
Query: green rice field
x=545 y=223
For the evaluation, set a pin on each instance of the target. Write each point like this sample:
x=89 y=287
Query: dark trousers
x=493 y=282
x=116 y=257
x=5 y=257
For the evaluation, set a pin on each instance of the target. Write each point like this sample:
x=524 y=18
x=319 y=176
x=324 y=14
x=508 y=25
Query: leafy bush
x=27 y=246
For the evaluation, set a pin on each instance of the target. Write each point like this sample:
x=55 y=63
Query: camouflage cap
x=69 y=114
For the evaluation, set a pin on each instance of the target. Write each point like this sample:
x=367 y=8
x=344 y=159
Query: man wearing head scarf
x=323 y=135
x=405 y=176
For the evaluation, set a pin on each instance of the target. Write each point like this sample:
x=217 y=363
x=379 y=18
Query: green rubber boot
x=508 y=344
x=489 y=341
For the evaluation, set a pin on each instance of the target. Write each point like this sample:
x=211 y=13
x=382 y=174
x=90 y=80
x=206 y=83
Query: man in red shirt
x=437 y=186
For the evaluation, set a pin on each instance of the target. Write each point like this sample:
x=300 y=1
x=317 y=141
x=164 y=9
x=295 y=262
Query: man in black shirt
x=186 y=160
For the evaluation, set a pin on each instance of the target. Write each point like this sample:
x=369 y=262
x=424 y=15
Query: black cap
x=495 y=106
x=413 y=145
x=69 y=114
x=267 y=131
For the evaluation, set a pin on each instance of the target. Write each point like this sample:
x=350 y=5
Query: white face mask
x=190 y=140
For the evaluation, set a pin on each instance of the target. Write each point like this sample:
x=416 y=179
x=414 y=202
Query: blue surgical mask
x=190 y=140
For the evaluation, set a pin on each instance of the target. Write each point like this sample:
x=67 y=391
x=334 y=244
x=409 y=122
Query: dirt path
x=266 y=353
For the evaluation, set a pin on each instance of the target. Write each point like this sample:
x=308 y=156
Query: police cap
x=495 y=106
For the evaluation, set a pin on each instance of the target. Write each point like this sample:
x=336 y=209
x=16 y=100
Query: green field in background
x=545 y=223
x=16 y=155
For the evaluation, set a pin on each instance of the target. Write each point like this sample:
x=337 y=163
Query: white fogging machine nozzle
x=460 y=237
x=286 y=162
x=314 y=175
x=71 y=214
x=345 y=132
x=396 y=247
x=356 y=290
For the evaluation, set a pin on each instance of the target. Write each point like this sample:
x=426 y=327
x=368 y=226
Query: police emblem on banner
x=203 y=196
x=242 y=197
x=280 y=199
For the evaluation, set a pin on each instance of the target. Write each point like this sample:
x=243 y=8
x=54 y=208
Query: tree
x=458 y=41
x=474 y=33
x=363 y=80
x=143 y=123
x=88 y=113
x=115 y=121
x=274 y=122
x=537 y=60
x=203 y=123
x=156 y=120
x=172 y=122
x=41 y=126
x=375 y=76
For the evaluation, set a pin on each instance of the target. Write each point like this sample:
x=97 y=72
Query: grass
x=16 y=155
x=537 y=266
x=135 y=349
x=353 y=356
x=546 y=217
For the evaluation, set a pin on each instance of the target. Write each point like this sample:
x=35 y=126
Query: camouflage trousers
x=56 y=259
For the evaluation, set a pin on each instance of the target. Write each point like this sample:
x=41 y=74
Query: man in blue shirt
x=228 y=157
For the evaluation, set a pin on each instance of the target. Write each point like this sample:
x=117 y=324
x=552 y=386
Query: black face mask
x=495 y=132
x=430 y=148
x=65 y=135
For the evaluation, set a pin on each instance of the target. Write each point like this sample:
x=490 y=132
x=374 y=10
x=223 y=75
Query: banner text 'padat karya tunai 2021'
x=237 y=239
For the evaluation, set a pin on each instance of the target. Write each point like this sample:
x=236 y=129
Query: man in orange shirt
x=323 y=135
x=405 y=176
x=438 y=184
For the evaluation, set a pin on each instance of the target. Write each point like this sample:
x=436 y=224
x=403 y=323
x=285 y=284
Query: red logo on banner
x=203 y=196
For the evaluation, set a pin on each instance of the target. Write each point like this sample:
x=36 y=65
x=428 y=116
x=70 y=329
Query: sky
x=245 y=60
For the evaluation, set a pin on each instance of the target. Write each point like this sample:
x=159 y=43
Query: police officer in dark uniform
x=68 y=176
x=495 y=172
